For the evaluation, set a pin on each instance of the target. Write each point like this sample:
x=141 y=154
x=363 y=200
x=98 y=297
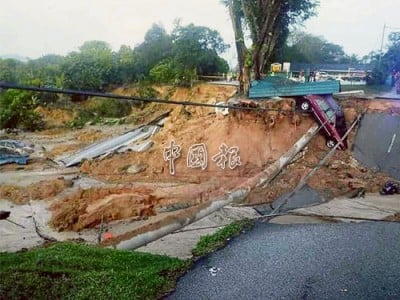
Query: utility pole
x=380 y=53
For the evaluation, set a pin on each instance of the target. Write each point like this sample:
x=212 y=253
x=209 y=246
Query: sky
x=34 y=28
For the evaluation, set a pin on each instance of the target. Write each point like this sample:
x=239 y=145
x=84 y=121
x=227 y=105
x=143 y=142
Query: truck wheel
x=330 y=144
x=305 y=105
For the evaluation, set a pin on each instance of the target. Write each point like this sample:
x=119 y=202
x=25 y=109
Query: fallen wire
x=12 y=222
x=41 y=235
x=138 y=99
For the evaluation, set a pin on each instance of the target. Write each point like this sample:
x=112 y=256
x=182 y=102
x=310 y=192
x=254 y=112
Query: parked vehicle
x=329 y=114
x=17 y=146
x=8 y=156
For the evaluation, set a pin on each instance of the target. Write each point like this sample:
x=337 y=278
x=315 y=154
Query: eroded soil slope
x=261 y=137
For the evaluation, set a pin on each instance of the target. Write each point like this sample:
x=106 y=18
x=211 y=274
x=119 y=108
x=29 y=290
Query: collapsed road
x=377 y=143
x=140 y=201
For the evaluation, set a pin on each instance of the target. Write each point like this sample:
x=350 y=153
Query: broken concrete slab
x=15 y=238
x=371 y=207
x=305 y=197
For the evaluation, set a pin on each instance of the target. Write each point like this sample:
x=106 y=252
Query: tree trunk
x=239 y=41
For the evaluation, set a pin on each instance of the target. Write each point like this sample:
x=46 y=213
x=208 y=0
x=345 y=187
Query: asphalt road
x=323 y=261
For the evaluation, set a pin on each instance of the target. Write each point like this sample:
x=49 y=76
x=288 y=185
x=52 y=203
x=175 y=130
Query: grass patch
x=76 y=271
x=213 y=242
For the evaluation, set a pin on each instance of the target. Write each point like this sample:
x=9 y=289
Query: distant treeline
x=178 y=58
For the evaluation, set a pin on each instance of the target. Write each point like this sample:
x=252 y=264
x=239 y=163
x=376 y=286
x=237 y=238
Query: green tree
x=197 y=48
x=308 y=48
x=156 y=47
x=189 y=50
x=44 y=71
x=125 y=64
x=90 y=68
x=164 y=72
x=391 y=59
x=9 y=70
x=268 y=22
x=384 y=64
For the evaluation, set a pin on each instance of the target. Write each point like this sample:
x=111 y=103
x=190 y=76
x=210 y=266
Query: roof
x=275 y=86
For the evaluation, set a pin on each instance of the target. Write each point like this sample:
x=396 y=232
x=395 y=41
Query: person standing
x=397 y=82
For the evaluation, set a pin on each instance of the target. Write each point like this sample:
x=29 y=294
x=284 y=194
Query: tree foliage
x=384 y=63
x=178 y=58
x=89 y=68
x=8 y=70
x=391 y=59
x=307 y=48
x=157 y=46
x=196 y=48
x=17 y=110
x=162 y=58
x=268 y=23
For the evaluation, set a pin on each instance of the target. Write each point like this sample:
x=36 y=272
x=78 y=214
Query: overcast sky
x=32 y=28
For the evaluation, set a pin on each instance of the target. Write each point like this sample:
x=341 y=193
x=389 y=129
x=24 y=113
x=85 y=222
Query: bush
x=164 y=72
x=17 y=110
x=146 y=91
x=99 y=108
x=109 y=108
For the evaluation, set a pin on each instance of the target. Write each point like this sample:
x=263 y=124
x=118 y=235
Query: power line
x=5 y=85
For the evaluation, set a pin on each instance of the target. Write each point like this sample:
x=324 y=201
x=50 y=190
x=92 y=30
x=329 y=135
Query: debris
x=4 y=214
x=390 y=188
x=107 y=235
x=357 y=193
x=213 y=271
x=137 y=168
x=103 y=148
x=17 y=146
x=223 y=111
x=8 y=156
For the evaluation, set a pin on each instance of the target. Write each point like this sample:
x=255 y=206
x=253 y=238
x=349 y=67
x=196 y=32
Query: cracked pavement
x=319 y=261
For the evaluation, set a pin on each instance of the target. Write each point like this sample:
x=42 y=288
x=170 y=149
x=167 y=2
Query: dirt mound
x=86 y=208
x=55 y=117
x=260 y=137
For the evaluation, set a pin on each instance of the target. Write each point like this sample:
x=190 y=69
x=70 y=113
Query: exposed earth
x=135 y=192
